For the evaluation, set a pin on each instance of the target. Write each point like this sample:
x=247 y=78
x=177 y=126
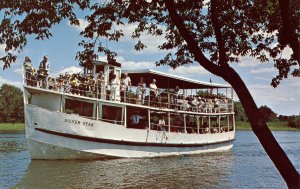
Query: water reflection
x=11 y=143
x=208 y=171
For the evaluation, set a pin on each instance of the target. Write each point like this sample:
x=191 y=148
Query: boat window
x=191 y=124
x=112 y=114
x=52 y=102
x=177 y=123
x=159 y=121
x=137 y=118
x=79 y=107
x=99 y=68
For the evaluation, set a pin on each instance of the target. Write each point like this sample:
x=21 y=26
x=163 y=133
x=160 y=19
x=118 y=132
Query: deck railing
x=164 y=100
x=191 y=130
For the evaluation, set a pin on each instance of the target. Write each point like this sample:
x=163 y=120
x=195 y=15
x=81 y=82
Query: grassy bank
x=273 y=126
x=12 y=128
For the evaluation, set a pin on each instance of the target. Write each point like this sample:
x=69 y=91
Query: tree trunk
x=259 y=126
x=263 y=133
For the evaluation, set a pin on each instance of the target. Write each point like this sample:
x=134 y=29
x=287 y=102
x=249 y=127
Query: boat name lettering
x=77 y=122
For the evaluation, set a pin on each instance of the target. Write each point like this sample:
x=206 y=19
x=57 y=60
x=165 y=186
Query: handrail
x=168 y=101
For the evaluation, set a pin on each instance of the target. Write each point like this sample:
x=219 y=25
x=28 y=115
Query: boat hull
x=78 y=149
x=56 y=135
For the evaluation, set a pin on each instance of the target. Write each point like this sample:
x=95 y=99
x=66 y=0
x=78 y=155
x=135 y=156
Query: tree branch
x=223 y=61
x=191 y=44
x=263 y=133
x=288 y=31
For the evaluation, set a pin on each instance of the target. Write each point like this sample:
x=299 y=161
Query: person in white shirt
x=161 y=123
x=153 y=91
x=27 y=68
x=113 y=87
x=140 y=91
x=125 y=84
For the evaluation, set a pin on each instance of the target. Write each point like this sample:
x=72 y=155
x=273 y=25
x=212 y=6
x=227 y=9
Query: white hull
x=56 y=135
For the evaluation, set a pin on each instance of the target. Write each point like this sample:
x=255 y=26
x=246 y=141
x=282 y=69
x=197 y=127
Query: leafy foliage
x=30 y=17
x=239 y=111
x=294 y=121
x=224 y=30
x=11 y=104
x=267 y=114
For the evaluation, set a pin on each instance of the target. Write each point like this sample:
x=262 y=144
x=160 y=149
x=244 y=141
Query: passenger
x=201 y=104
x=108 y=91
x=91 y=86
x=216 y=105
x=74 y=85
x=140 y=91
x=100 y=81
x=179 y=101
x=44 y=71
x=153 y=92
x=81 y=84
x=33 y=78
x=209 y=105
x=50 y=83
x=60 y=83
x=28 y=69
x=185 y=105
x=113 y=87
x=135 y=120
x=125 y=84
x=195 y=104
x=161 y=124
x=214 y=129
x=66 y=83
x=175 y=95
x=205 y=128
x=123 y=88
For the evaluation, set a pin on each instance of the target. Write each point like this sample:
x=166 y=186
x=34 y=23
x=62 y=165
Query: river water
x=245 y=166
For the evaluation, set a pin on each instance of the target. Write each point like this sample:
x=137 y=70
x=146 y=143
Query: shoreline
x=273 y=126
x=12 y=128
x=18 y=128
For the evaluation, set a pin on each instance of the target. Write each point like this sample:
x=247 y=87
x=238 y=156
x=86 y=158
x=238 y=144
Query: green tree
x=214 y=35
x=283 y=117
x=11 y=104
x=267 y=114
x=294 y=121
x=239 y=112
x=204 y=93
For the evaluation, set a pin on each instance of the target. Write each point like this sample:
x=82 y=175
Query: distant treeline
x=267 y=114
x=11 y=104
x=12 y=109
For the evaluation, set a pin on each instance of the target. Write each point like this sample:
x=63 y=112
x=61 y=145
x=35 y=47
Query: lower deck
x=57 y=135
x=129 y=116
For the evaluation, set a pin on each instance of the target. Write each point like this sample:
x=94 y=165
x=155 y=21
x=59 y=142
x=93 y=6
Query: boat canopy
x=167 y=81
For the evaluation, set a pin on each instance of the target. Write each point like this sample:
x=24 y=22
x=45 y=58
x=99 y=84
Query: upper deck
x=174 y=93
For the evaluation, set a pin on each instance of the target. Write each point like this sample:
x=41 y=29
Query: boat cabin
x=106 y=70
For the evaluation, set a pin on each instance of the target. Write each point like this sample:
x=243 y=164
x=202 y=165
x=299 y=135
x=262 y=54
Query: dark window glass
x=112 y=114
x=79 y=107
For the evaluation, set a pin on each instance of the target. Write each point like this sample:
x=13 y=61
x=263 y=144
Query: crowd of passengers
x=80 y=84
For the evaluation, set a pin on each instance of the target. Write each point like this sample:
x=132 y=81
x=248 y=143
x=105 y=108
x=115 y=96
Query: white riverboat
x=76 y=116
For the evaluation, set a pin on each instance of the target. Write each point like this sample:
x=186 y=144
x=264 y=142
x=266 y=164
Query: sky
x=62 y=47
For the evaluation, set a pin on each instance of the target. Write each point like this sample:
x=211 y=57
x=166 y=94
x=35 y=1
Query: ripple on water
x=245 y=166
